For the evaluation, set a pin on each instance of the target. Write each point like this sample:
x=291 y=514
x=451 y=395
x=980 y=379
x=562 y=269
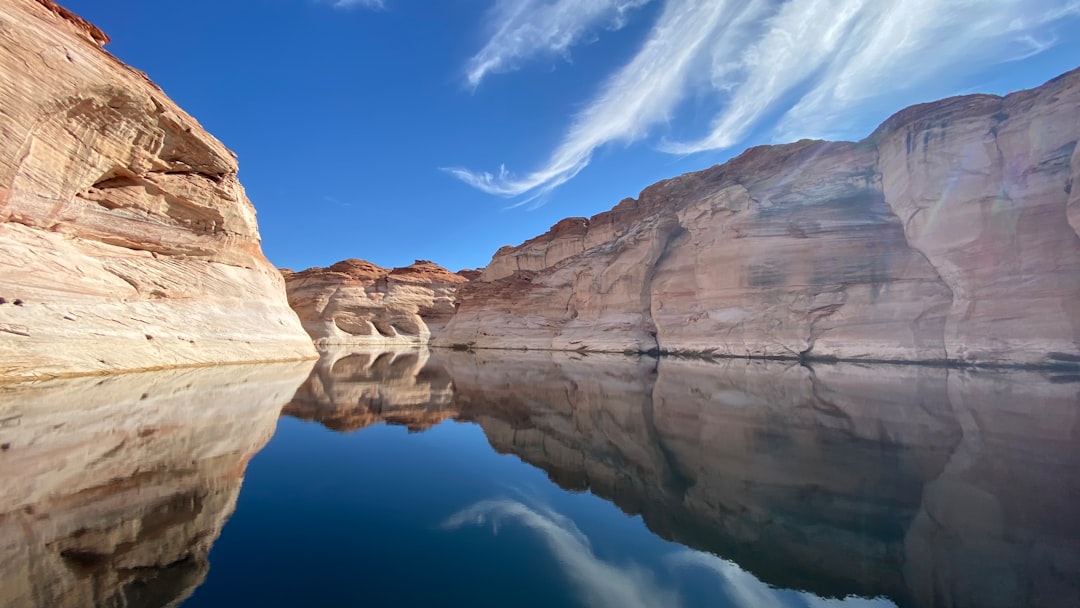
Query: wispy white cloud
x=904 y=46
x=599 y=583
x=637 y=96
x=522 y=29
x=815 y=67
x=355 y=3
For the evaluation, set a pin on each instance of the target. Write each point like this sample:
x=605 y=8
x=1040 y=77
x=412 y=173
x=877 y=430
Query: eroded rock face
x=123 y=229
x=983 y=187
x=948 y=234
x=113 y=490
x=358 y=303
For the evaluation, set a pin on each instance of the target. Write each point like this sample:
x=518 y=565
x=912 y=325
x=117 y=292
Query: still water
x=412 y=478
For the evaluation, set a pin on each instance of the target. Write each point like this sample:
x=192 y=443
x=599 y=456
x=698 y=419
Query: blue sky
x=392 y=130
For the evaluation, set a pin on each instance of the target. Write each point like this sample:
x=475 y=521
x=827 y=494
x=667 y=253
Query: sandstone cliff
x=126 y=240
x=355 y=302
x=114 y=490
x=950 y=233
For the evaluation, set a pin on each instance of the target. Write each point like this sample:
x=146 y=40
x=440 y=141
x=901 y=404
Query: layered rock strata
x=358 y=303
x=929 y=486
x=126 y=241
x=950 y=233
x=113 y=490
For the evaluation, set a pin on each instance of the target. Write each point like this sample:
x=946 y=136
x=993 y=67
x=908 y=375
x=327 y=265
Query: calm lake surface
x=416 y=478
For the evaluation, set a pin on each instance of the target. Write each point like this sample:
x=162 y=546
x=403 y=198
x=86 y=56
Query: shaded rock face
x=928 y=486
x=123 y=228
x=358 y=303
x=113 y=491
x=349 y=390
x=949 y=233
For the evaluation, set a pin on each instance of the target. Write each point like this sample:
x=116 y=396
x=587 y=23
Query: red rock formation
x=123 y=228
x=470 y=274
x=358 y=303
x=81 y=25
x=949 y=233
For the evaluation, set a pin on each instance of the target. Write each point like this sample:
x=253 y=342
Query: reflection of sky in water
x=385 y=517
x=548 y=481
x=606 y=584
x=921 y=485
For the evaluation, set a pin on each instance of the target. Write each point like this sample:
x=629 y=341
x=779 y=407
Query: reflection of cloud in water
x=603 y=584
x=745 y=590
x=598 y=582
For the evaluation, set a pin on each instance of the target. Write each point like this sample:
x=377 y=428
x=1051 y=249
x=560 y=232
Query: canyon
x=949 y=235
x=126 y=240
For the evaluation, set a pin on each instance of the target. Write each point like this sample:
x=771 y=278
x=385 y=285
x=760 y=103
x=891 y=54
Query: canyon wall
x=950 y=233
x=358 y=303
x=126 y=240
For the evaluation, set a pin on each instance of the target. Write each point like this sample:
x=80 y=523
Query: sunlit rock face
x=983 y=186
x=358 y=303
x=113 y=490
x=949 y=233
x=124 y=233
x=350 y=389
x=931 y=487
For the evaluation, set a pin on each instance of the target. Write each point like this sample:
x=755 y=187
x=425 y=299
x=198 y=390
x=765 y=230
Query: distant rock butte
x=950 y=233
x=124 y=232
x=355 y=302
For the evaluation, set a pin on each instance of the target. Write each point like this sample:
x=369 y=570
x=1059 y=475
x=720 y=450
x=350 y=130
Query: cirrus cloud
x=792 y=68
x=522 y=29
x=354 y=3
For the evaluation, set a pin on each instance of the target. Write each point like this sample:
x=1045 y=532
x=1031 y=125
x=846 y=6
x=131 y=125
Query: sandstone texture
x=126 y=241
x=949 y=234
x=113 y=490
x=924 y=485
x=358 y=303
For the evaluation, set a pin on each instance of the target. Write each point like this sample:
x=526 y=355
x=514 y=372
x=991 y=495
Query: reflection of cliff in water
x=113 y=490
x=932 y=487
x=349 y=390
